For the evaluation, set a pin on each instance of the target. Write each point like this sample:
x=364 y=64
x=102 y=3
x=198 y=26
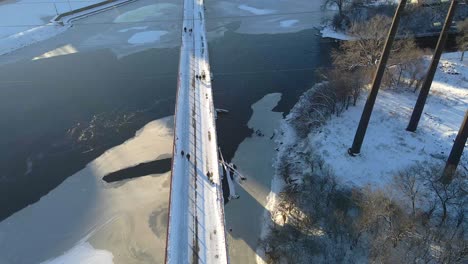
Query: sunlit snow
x=388 y=147
x=64 y=50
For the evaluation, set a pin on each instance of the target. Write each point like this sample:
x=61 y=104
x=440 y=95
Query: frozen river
x=67 y=101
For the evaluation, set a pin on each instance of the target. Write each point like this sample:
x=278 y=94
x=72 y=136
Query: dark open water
x=46 y=104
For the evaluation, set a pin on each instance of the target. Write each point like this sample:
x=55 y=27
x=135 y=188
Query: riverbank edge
x=286 y=138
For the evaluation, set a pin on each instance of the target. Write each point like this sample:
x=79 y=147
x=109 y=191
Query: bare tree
x=340 y=4
x=462 y=39
x=416 y=71
x=366 y=49
x=408 y=58
x=448 y=195
x=381 y=216
x=409 y=184
x=364 y=52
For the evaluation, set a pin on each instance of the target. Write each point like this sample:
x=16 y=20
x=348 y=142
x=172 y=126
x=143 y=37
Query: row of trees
x=355 y=63
x=420 y=18
x=330 y=223
x=462 y=39
x=361 y=56
x=374 y=53
x=416 y=219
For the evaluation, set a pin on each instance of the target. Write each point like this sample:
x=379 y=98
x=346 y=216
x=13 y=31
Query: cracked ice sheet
x=254 y=159
x=263 y=17
x=33 y=14
x=88 y=218
x=104 y=33
x=148 y=30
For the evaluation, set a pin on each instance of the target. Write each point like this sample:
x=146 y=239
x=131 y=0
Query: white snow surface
x=388 y=147
x=146 y=37
x=83 y=253
x=256 y=11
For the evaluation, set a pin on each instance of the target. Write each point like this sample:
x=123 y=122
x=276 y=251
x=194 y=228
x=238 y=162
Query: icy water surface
x=69 y=99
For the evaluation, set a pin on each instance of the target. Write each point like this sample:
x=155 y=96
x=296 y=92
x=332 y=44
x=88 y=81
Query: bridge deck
x=196 y=231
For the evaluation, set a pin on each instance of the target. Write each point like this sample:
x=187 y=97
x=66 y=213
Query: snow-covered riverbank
x=387 y=142
x=388 y=148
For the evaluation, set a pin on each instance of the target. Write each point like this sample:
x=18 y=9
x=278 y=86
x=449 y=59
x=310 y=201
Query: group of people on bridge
x=201 y=77
x=189 y=30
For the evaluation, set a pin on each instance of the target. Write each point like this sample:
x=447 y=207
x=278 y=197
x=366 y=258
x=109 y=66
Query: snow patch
x=146 y=37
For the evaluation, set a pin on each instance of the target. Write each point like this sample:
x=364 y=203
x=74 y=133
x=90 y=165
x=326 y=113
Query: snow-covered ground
x=86 y=220
x=327 y=30
x=254 y=158
x=388 y=147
